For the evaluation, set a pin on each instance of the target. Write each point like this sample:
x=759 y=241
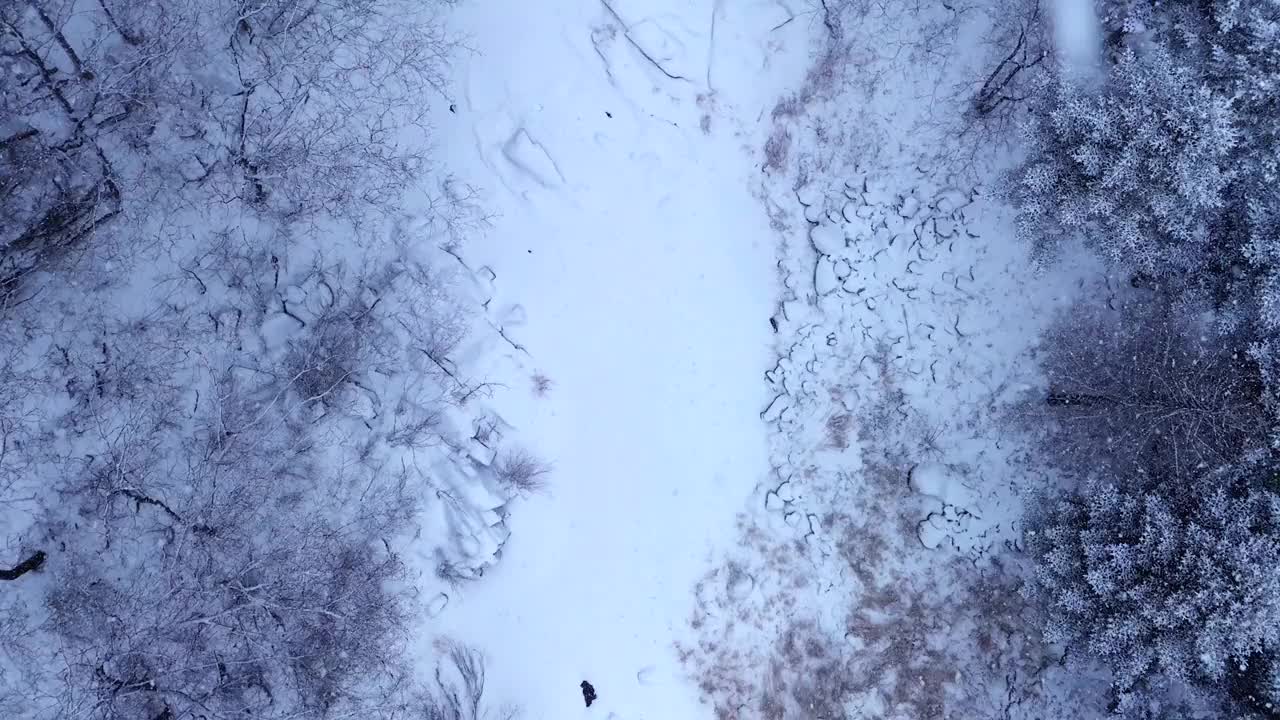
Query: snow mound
x=940 y=483
x=437 y=605
x=527 y=155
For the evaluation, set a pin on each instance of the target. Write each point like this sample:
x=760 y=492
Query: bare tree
x=1009 y=83
x=234 y=574
x=224 y=457
x=219 y=542
x=31 y=564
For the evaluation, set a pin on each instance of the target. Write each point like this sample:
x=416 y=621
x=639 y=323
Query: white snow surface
x=642 y=275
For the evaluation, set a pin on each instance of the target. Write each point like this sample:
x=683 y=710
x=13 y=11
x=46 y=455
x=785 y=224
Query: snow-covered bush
x=1244 y=51
x=1169 y=164
x=1166 y=581
x=1138 y=167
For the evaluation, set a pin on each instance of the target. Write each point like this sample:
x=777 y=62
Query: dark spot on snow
x=608 y=114
x=588 y=692
x=453 y=108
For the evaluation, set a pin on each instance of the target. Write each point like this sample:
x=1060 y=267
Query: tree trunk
x=1070 y=398
x=30 y=564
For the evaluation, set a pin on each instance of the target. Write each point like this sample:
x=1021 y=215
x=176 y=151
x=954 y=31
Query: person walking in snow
x=588 y=693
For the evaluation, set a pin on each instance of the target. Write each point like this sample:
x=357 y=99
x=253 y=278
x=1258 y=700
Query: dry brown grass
x=777 y=149
x=838 y=427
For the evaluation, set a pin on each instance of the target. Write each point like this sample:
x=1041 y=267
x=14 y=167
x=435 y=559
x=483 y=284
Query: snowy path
x=627 y=232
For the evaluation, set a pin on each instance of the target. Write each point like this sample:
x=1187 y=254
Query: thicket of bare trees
x=119 y=115
x=220 y=358
x=1151 y=388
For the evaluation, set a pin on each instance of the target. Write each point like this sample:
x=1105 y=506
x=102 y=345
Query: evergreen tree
x=1172 y=580
x=1138 y=166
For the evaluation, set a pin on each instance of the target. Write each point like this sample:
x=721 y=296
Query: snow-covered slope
x=615 y=144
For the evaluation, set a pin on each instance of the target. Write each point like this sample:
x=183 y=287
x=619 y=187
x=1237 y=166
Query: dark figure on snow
x=588 y=693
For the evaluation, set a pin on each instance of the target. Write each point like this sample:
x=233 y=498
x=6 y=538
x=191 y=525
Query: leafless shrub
x=520 y=471
x=929 y=438
x=458 y=692
x=265 y=559
x=452 y=571
x=325 y=360
x=542 y=384
x=421 y=429
x=455 y=212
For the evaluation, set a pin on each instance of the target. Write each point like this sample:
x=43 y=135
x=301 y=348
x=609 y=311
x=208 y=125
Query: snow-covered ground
x=784 y=317
x=870 y=578
x=616 y=144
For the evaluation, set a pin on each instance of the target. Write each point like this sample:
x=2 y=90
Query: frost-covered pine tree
x=1168 y=580
x=1243 y=53
x=1139 y=166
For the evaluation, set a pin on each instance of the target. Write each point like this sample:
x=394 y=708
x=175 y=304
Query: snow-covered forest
x=767 y=359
